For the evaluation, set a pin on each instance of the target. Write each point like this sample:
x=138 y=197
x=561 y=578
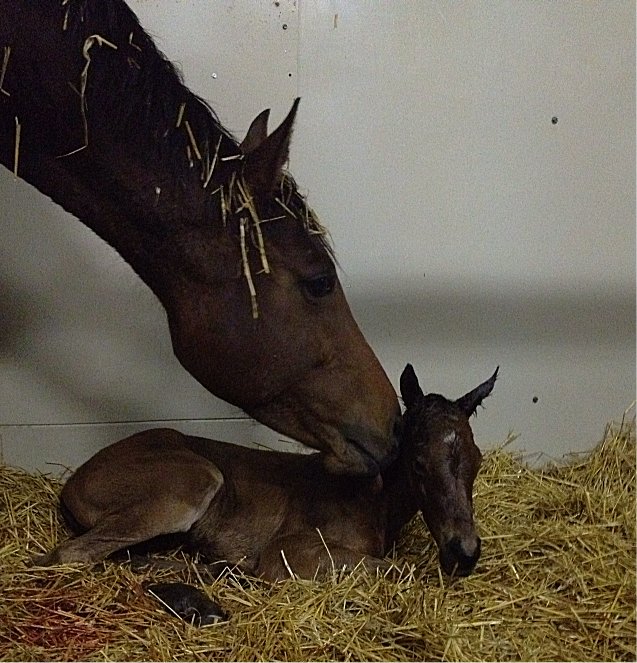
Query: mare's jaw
x=357 y=451
x=346 y=449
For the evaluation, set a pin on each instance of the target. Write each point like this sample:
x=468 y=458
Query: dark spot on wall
x=554 y=119
x=535 y=399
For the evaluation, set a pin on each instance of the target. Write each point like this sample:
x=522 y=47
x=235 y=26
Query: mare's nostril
x=394 y=445
x=397 y=428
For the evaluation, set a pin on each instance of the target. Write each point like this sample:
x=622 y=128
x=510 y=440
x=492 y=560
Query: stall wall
x=475 y=164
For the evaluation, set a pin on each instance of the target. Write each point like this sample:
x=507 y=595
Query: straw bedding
x=556 y=581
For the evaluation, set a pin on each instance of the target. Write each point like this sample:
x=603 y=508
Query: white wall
x=472 y=231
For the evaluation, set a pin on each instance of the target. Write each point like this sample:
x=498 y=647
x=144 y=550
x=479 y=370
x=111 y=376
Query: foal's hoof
x=48 y=559
x=187 y=602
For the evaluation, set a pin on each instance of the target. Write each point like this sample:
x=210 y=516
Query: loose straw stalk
x=3 y=69
x=16 y=148
x=248 y=204
x=89 y=42
x=246 y=268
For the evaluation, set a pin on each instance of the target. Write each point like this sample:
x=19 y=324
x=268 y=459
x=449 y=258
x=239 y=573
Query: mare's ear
x=409 y=388
x=469 y=402
x=257 y=132
x=265 y=161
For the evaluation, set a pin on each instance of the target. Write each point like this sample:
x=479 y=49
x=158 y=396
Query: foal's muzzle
x=458 y=557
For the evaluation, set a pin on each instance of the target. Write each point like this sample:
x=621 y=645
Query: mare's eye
x=320 y=286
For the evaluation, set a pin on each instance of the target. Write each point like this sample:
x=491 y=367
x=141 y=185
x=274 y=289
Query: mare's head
x=443 y=461
x=283 y=344
x=216 y=228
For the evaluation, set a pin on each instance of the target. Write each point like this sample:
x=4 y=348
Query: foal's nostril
x=471 y=548
x=476 y=551
x=461 y=556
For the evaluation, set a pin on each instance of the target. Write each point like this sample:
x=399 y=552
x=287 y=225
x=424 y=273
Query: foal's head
x=443 y=462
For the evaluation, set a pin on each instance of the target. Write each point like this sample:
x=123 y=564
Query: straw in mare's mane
x=271 y=512
x=96 y=118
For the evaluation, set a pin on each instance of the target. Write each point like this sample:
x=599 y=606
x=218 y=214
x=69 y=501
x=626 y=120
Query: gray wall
x=472 y=230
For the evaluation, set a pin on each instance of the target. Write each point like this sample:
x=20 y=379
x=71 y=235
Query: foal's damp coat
x=273 y=513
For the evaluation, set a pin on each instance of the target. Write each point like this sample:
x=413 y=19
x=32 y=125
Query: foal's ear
x=257 y=132
x=469 y=402
x=409 y=388
x=266 y=156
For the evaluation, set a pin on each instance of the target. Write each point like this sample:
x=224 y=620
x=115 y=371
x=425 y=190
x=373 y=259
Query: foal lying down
x=270 y=512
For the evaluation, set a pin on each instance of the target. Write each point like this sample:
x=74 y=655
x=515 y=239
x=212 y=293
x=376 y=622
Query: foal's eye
x=320 y=286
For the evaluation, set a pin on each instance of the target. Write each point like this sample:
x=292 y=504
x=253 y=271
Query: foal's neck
x=400 y=500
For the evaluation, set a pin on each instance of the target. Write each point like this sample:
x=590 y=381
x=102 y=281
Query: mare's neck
x=109 y=132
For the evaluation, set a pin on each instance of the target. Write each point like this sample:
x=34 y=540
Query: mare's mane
x=134 y=94
x=134 y=90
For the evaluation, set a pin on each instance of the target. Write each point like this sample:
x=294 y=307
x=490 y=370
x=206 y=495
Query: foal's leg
x=121 y=530
x=139 y=488
x=302 y=555
x=209 y=571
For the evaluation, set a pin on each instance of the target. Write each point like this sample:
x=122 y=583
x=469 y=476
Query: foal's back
x=232 y=503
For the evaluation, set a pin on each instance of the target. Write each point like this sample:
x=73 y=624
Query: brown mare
x=95 y=117
x=272 y=513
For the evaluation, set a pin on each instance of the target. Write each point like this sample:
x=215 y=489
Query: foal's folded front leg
x=120 y=507
x=121 y=530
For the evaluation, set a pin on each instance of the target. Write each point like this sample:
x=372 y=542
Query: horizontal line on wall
x=132 y=421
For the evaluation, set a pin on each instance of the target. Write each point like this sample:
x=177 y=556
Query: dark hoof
x=187 y=602
x=48 y=559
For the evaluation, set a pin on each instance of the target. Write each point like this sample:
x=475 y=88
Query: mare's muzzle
x=373 y=453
